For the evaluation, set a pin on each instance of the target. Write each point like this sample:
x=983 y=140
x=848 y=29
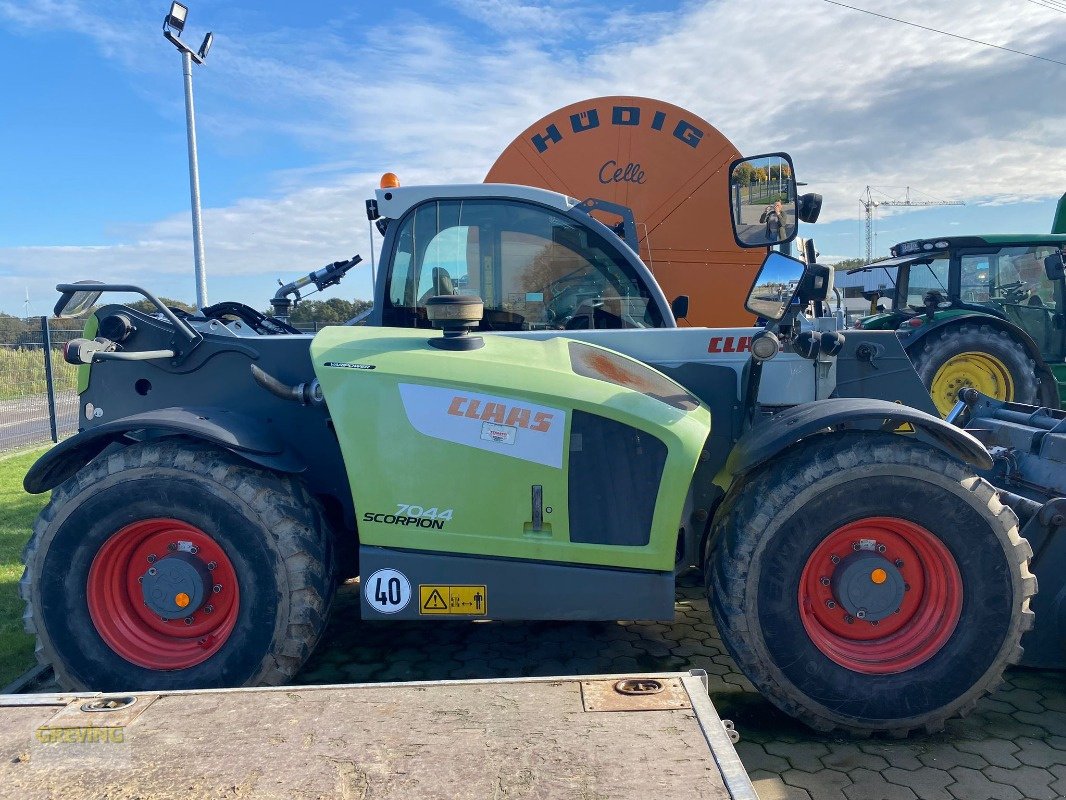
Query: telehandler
x=560 y=451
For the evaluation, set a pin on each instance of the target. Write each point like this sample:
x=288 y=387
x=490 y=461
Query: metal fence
x=38 y=389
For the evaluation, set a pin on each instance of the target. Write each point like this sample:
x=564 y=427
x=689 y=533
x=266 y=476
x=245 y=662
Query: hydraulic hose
x=305 y=394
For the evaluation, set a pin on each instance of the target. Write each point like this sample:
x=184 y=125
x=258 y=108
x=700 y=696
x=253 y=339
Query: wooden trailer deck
x=563 y=737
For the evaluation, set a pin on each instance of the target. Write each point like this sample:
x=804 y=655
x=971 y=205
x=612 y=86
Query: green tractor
x=558 y=450
x=981 y=312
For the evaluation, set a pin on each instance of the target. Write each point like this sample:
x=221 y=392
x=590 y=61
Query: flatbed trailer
x=598 y=736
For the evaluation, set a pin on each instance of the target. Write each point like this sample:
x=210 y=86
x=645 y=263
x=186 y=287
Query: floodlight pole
x=194 y=185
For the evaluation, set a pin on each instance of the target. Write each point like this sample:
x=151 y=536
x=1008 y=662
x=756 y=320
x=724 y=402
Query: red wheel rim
x=891 y=553
x=123 y=619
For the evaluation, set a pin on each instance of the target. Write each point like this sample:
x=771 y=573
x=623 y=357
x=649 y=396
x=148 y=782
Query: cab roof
x=394 y=203
x=916 y=247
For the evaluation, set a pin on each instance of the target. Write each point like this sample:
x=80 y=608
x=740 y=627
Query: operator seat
x=442 y=284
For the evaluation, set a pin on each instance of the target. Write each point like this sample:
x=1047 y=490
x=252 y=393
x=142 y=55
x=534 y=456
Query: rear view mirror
x=775 y=286
x=762 y=200
x=74 y=304
x=1055 y=266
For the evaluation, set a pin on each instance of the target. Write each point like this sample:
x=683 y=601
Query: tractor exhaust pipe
x=306 y=394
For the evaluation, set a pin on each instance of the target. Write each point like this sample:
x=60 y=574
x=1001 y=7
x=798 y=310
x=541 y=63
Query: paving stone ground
x=1013 y=747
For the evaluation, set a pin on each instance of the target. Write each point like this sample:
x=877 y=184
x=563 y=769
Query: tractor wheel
x=870 y=583
x=979 y=357
x=176 y=566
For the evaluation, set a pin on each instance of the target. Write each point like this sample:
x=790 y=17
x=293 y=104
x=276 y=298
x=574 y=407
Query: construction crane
x=870 y=204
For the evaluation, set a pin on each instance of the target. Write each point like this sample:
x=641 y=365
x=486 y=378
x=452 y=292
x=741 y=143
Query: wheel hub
x=176 y=586
x=981 y=371
x=163 y=594
x=868 y=586
x=880 y=595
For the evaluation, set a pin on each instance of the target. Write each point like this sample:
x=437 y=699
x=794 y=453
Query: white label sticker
x=484 y=421
x=501 y=434
x=387 y=591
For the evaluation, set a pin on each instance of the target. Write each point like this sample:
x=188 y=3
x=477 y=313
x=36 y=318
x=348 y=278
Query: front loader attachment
x=1028 y=448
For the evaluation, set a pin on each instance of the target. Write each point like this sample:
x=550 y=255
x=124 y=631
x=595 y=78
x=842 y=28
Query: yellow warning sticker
x=906 y=427
x=465 y=601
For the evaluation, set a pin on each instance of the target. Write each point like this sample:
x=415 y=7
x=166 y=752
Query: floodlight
x=208 y=40
x=176 y=18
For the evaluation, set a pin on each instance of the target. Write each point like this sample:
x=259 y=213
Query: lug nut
x=211 y=565
x=140 y=579
x=151 y=558
x=881 y=548
x=188 y=620
x=861 y=613
x=849 y=619
x=874 y=622
x=202 y=641
x=824 y=581
x=899 y=563
x=906 y=587
x=835 y=559
x=216 y=588
x=830 y=604
x=172 y=546
x=194 y=549
x=152 y=570
x=208 y=608
x=855 y=546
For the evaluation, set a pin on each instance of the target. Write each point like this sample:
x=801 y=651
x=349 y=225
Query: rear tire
x=258 y=545
x=976 y=356
x=931 y=658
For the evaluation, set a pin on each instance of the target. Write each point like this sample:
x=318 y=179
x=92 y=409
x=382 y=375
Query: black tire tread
x=749 y=510
x=299 y=531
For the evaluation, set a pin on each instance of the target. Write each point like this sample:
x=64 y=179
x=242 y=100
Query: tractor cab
x=1001 y=275
x=537 y=259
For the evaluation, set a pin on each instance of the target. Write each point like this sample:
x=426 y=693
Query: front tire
x=870 y=583
x=174 y=565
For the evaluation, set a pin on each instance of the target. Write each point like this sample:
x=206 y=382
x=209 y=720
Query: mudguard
x=249 y=438
x=769 y=438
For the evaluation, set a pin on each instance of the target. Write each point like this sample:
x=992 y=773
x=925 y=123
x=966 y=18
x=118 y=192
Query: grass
x=22 y=372
x=17 y=512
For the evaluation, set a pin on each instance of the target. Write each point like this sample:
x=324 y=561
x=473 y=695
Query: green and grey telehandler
x=560 y=451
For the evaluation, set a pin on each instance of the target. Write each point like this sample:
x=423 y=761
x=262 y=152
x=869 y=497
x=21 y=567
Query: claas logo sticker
x=501 y=414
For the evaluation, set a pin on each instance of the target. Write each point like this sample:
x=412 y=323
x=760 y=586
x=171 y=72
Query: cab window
x=927 y=277
x=534 y=268
x=1012 y=275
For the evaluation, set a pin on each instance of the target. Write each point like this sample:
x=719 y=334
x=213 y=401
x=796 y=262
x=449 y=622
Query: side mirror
x=1055 y=266
x=762 y=200
x=73 y=304
x=679 y=306
x=775 y=286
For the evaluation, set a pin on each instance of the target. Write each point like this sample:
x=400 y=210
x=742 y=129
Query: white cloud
x=856 y=99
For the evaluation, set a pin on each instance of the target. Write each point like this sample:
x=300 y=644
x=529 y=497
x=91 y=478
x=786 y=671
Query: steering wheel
x=1014 y=292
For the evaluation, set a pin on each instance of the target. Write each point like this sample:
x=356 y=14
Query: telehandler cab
x=561 y=451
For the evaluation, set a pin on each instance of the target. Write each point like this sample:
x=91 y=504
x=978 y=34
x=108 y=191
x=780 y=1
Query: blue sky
x=301 y=107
